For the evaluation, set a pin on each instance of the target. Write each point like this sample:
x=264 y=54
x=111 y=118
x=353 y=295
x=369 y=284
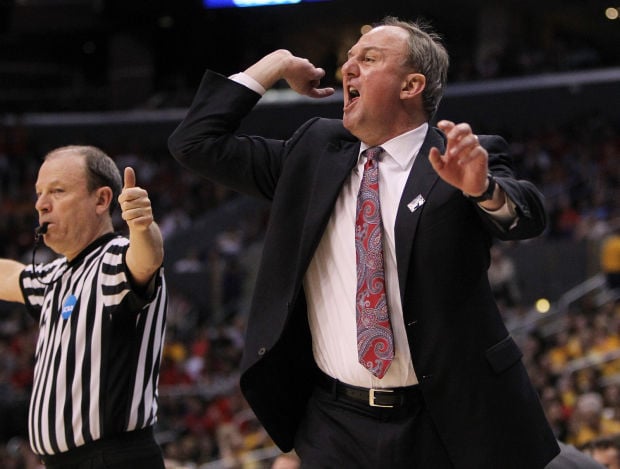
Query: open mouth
x=352 y=93
x=352 y=96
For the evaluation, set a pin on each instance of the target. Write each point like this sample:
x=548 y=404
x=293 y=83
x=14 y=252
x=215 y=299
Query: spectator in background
x=605 y=450
x=571 y=458
x=503 y=279
x=589 y=421
x=286 y=461
x=610 y=257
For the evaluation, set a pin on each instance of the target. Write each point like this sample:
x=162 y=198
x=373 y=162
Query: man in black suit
x=455 y=394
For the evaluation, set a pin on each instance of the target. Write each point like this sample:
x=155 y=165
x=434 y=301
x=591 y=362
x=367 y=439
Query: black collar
x=91 y=247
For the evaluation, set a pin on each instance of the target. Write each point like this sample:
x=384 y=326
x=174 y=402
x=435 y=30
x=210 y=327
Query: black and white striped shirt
x=98 y=351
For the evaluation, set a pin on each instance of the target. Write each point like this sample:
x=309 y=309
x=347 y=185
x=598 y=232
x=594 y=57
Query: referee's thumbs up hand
x=130 y=177
x=135 y=203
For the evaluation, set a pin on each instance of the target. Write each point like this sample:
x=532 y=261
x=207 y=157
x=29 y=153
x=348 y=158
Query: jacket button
x=262 y=351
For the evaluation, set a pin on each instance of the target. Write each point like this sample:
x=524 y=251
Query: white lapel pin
x=416 y=203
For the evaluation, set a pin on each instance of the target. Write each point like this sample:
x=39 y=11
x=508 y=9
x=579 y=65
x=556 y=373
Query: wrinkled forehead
x=63 y=166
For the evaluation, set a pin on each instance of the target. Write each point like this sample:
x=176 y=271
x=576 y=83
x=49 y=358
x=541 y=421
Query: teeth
x=353 y=93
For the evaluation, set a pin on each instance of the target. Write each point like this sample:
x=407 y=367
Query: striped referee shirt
x=99 y=347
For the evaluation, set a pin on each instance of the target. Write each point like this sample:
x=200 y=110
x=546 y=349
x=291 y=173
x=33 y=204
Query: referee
x=101 y=309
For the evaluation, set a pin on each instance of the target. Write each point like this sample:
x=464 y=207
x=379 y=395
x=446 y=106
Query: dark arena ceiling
x=67 y=55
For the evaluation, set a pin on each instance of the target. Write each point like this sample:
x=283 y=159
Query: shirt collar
x=404 y=147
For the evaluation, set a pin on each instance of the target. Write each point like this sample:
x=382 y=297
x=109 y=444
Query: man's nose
x=348 y=68
x=42 y=205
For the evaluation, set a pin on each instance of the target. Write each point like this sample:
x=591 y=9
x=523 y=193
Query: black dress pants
x=339 y=433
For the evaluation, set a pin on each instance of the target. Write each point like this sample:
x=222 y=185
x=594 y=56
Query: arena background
x=120 y=75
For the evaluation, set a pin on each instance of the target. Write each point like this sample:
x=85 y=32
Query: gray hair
x=427 y=55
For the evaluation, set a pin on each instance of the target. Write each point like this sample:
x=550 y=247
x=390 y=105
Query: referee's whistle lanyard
x=71 y=300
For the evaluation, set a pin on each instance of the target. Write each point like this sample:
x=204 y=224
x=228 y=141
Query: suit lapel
x=335 y=164
x=417 y=189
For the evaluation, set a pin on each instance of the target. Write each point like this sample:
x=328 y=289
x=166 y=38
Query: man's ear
x=413 y=85
x=104 y=199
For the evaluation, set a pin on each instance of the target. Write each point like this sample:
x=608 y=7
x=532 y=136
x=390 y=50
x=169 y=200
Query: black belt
x=372 y=397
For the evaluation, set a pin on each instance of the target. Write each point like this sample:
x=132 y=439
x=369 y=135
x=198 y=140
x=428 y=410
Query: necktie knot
x=372 y=153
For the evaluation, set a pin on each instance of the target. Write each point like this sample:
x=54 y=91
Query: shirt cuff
x=505 y=215
x=249 y=82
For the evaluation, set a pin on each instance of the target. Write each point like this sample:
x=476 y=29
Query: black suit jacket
x=474 y=384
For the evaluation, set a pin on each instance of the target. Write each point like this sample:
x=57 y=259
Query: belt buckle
x=371 y=397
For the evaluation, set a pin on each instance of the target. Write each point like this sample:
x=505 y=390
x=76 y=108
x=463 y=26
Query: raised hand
x=135 y=203
x=465 y=162
x=300 y=74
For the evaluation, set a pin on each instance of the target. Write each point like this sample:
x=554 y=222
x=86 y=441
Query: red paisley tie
x=375 y=342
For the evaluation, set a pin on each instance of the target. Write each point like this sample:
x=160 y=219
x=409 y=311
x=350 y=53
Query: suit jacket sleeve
x=529 y=202
x=205 y=141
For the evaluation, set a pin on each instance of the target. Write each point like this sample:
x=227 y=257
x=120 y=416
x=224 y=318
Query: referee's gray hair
x=101 y=170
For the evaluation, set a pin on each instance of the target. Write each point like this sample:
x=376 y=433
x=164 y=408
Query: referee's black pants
x=338 y=432
x=130 y=450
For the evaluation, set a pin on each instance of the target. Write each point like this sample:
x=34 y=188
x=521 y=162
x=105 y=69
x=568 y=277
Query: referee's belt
x=372 y=397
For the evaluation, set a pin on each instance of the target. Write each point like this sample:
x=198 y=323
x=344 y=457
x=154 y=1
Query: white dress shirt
x=331 y=280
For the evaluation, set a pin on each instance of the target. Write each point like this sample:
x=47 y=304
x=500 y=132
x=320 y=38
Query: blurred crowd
x=202 y=416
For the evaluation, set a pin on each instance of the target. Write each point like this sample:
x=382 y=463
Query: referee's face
x=75 y=216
